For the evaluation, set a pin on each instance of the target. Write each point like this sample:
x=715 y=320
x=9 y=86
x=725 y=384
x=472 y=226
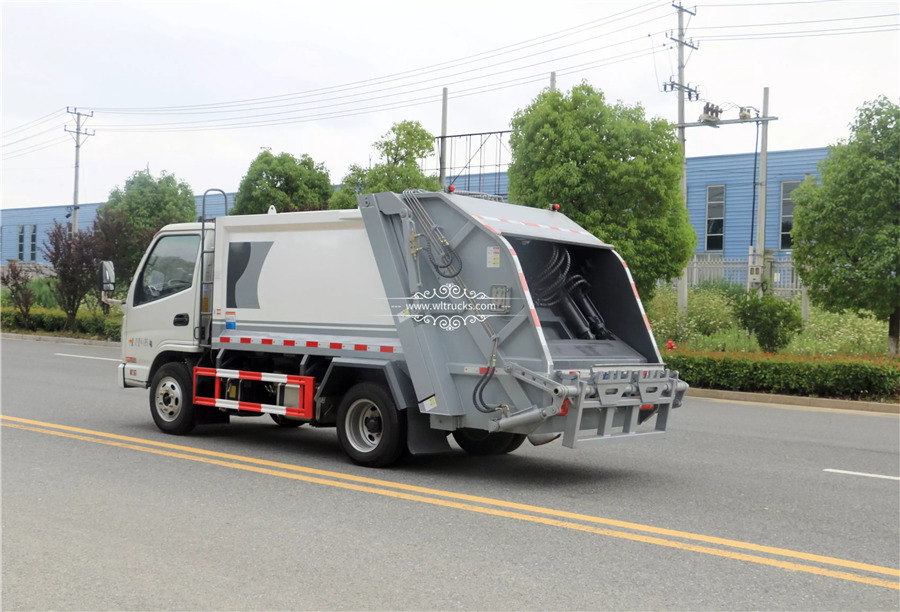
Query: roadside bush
x=44 y=296
x=50 y=320
x=837 y=377
x=709 y=312
x=54 y=321
x=828 y=333
x=662 y=312
x=774 y=322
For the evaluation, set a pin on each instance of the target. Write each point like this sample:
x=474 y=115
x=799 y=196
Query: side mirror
x=107 y=276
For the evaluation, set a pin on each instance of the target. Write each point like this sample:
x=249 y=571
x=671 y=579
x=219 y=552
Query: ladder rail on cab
x=207 y=248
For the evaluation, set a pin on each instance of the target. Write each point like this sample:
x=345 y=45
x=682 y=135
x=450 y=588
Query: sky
x=198 y=89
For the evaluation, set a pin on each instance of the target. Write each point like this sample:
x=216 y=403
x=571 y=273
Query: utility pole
x=78 y=134
x=682 y=90
x=443 y=174
x=763 y=183
x=552 y=81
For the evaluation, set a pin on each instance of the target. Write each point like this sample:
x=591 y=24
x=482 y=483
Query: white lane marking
x=85 y=357
x=862 y=474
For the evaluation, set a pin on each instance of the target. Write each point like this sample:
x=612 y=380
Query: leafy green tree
x=846 y=233
x=612 y=171
x=400 y=149
x=75 y=264
x=132 y=215
x=285 y=182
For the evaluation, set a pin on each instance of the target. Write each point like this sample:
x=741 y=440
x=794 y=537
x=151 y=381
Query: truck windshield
x=169 y=269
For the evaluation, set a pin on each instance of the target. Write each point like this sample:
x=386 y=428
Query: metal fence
x=783 y=280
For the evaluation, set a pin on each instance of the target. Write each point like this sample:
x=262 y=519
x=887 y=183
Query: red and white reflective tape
x=527 y=292
x=316 y=344
x=304 y=383
x=483 y=219
x=637 y=299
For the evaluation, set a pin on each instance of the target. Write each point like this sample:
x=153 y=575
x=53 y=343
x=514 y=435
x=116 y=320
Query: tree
x=612 y=171
x=126 y=223
x=288 y=183
x=846 y=234
x=75 y=264
x=400 y=149
x=18 y=280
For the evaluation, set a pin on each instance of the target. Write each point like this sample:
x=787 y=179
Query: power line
x=48 y=117
x=53 y=129
x=760 y=25
x=873 y=29
x=331 y=103
x=400 y=75
x=301 y=118
x=35 y=148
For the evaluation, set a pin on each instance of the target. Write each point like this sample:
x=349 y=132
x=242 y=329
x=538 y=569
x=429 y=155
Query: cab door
x=162 y=306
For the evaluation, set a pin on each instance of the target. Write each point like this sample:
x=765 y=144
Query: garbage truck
x=415 y=317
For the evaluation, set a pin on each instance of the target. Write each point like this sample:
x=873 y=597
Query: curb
x=794 y=400
x=61 y=340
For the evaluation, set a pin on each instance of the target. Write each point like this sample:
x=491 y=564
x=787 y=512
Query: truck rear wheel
x=369 y=426
x=478 y=442
x=171 y=400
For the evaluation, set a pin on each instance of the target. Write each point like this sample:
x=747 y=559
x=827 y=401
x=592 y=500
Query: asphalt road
x=736 y=509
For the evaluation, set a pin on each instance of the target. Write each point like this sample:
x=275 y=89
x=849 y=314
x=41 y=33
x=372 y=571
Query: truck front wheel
x=369 y=426
x=171 y=401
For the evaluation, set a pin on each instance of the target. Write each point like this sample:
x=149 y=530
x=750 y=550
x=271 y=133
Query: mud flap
x=421 y=439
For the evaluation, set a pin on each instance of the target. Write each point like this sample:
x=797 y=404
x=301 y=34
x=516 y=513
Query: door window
x=169 y=269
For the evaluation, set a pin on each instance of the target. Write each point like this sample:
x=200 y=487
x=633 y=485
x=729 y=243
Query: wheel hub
x=373 y=424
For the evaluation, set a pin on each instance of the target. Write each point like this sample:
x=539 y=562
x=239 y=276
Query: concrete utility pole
x=443 y=174
x=552 y=81
x=763 y=183
x=78 y=134
x=682 y=89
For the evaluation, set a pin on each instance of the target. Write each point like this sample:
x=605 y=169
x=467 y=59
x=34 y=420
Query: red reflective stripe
x=310 y=344
x=336 y=345
x=537 y=322
x=288 y=411
x=360 y=347
x=225 y=339
x=267 y=341
x=250 y=406
x=247 y=375
x=387 y=349
x=529 y=224
x=246 y=340
x=492 y=229
x=290 y=343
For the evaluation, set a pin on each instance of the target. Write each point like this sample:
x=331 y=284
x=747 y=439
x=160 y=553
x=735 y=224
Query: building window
x=715 y=217
x=34 y=243
x=21 y=243
x=787 y=212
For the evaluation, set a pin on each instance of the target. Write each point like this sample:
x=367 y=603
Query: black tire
x=283 y=421
x=171 y=399
x=478 y=442
x=370 y=428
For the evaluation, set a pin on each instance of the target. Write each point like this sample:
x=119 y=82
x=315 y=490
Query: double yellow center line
x=670 y=538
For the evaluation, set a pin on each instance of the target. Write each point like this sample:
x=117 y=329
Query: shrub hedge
x=53 y=320
x=835 y=377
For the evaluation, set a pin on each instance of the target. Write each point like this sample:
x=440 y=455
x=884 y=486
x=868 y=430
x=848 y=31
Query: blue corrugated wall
x=736 y=173
x=40 y=220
